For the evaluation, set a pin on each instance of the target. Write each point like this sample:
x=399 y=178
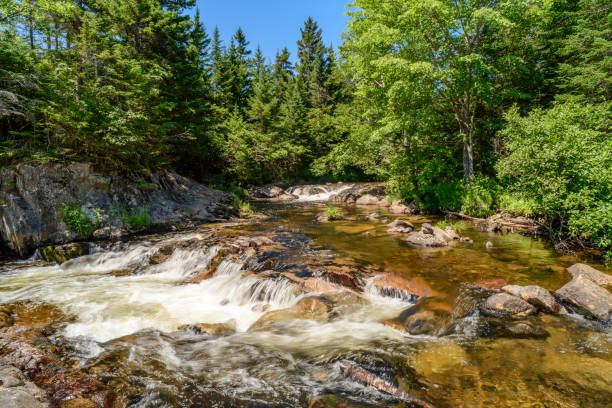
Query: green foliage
x=480 y=197
x=560 y=160
x=243 y=206
x=333 y=213
x=138 y=219
x=76 y=219
x=458 y=226
x=516 y=205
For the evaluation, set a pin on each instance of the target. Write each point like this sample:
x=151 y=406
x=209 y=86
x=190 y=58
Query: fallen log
x=352 y=370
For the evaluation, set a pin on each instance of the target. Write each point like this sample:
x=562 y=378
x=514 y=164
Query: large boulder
x=309 y=308
x=588 y=297
x=432 y=236
x=31 y=199
x=268 y=191
x=536 y=296
x=586 y=271
x=368 y=199
x=505 y=305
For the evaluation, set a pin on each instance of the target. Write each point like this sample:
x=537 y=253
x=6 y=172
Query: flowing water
x=123 y=312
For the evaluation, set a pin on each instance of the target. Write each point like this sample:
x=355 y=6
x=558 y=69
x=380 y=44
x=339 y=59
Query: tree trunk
x=468 y=154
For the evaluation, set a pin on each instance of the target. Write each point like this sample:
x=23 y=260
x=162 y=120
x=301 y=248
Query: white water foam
x=313 y=193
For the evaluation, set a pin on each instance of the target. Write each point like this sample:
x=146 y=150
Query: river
x=123 y=311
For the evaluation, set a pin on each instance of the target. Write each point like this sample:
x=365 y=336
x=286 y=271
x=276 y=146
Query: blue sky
x=274 y=24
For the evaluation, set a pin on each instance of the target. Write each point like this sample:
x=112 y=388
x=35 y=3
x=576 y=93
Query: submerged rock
x=517 y=330
x=366 y=377
x=492 y=284
x=429 y=316
x=590 y=273
x=505 y=305
x=309 y=308
x=588 y=297
x=537 y=296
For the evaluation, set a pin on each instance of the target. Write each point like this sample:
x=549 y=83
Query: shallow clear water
x=123 y=327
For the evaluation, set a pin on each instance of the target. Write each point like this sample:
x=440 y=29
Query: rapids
x=123 y=326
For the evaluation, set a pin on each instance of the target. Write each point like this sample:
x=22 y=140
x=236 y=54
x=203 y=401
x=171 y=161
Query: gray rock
x=536 y=296
x=505 y=305
x=31 y=198
x=586 y=271
x=17 y=392
x=427 y=229
x=588 y=297
x=400 y=226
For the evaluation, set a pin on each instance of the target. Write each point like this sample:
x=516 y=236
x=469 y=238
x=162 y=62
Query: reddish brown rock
x=494 y=284
x=396 y=286
x=350 y=369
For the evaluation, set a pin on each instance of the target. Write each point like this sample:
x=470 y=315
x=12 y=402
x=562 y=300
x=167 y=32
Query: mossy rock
x=63 y=253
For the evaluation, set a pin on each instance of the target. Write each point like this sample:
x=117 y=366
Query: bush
x=243 y=206
x=516 y=205
x=137 y=218
x=458 y=226
x=333 y=213
x=480 y=196
x=560 y=161
x=76 y=219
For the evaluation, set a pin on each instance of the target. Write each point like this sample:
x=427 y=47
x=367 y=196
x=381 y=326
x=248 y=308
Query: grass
x=516 y=206
x=458 y=226
x=137 y=218
x=243 y=206
x=333 y=213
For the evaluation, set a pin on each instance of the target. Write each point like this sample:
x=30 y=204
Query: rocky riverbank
x=54 y=204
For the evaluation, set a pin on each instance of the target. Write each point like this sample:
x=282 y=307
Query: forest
x=459 y=105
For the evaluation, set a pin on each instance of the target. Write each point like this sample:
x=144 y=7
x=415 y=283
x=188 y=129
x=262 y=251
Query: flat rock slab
x=586 y=271
x=536 y=296
x=506 y=305
x=588 y=296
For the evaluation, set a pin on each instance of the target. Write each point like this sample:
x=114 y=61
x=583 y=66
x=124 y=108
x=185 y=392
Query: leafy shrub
x=333 y=213
x=243 y=206
x=479 y=198
x=137 y=218
x=458 y=226
x=76 y=219
x=516 y=205
x=560 y=160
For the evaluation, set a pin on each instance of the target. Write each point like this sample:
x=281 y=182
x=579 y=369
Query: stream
x=122 y=307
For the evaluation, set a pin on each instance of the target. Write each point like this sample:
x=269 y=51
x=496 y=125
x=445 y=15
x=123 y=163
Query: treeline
x=139 y=84
x=461 y=105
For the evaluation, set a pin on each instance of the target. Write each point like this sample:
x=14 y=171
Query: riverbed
x=123 y=314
